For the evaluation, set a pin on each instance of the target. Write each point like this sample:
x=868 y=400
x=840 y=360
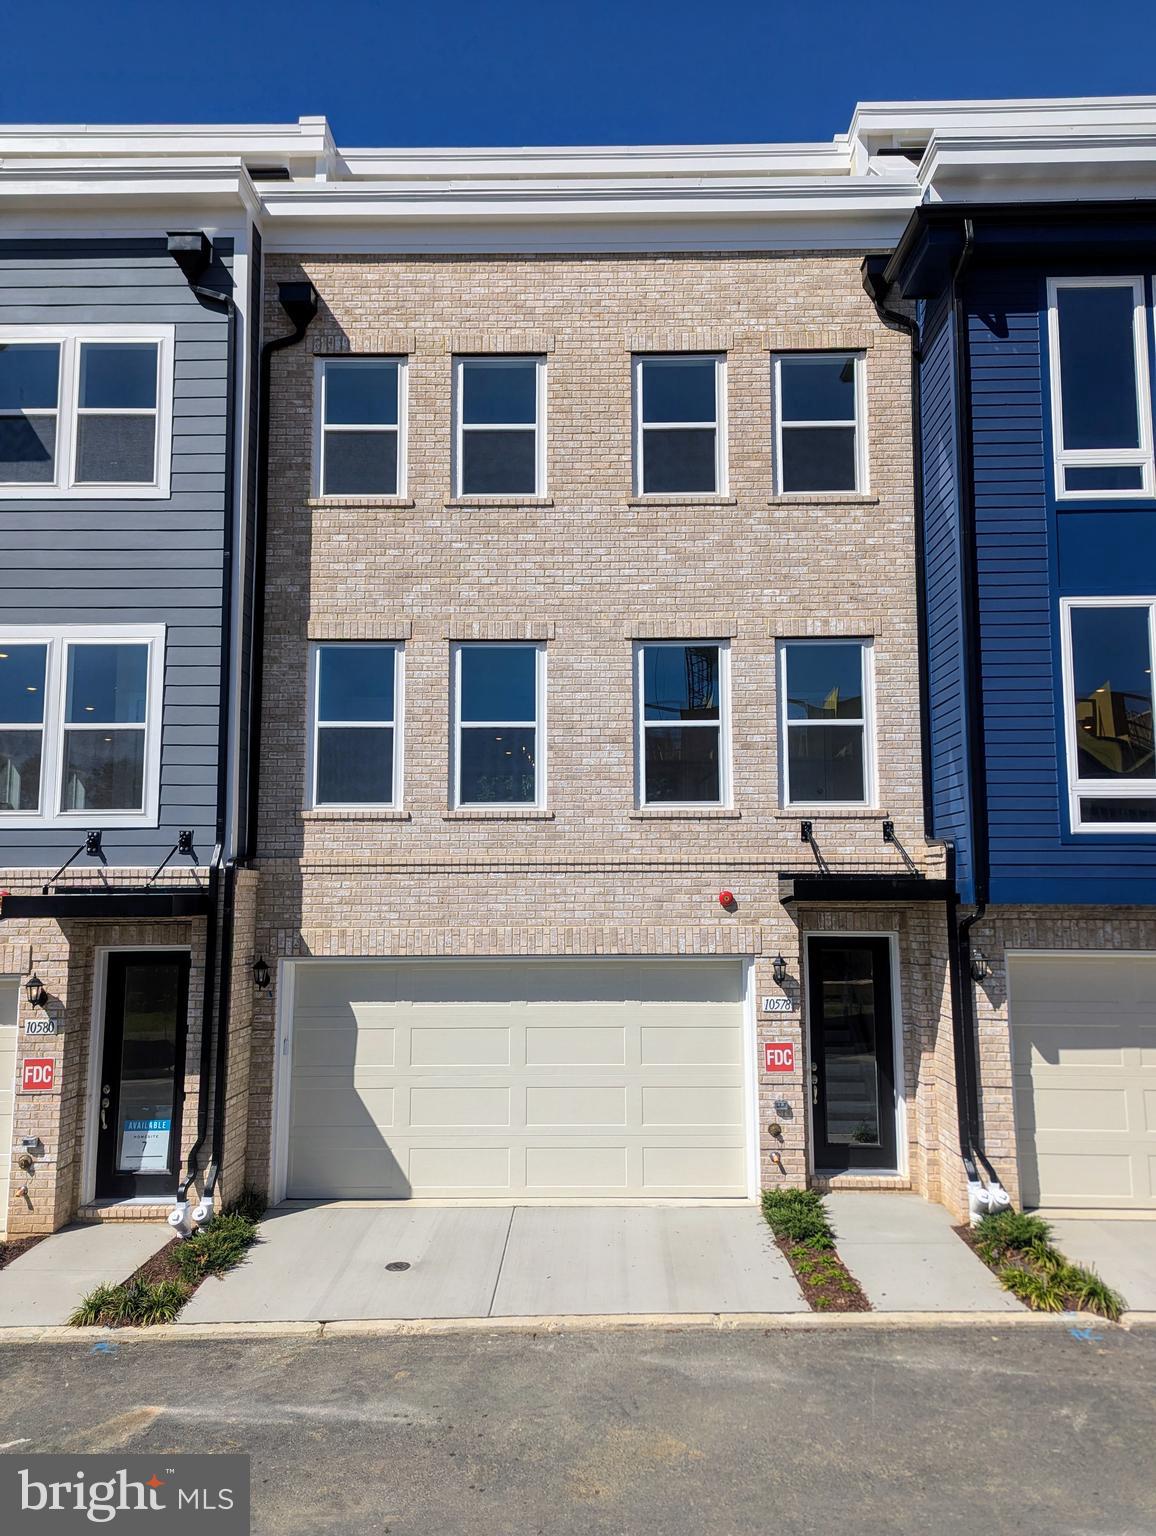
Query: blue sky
x=448 y=72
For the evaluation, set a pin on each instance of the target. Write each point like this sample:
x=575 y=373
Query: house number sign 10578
x=778 y=1005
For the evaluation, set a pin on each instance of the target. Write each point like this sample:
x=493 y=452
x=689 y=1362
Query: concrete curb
x=724 y=1322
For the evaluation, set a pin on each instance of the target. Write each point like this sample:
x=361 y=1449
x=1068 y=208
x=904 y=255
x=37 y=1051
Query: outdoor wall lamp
x=779 y=970
x=260 y=973
x=35 y=991
x=980 y=969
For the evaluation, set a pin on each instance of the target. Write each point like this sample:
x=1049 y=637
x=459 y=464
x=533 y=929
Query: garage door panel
x=475 y=1105
x=1084 y=1076
x=568 y=1078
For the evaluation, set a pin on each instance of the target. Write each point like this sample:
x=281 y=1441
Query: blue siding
x=947 y=721
x=109 y=561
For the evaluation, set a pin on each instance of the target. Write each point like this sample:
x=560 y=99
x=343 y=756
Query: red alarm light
x=727 y=899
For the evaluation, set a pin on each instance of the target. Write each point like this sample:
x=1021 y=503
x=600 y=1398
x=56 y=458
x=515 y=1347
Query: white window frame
x=499 y=360
x=1105 y=458
x=539 y=724
x=870 y=786
x=58 y=639
x=859 y=424
x=316 y=726
x=1099 y=789
x=719 y=425
x=722 y=725
x=320 y=428
x=65 y=485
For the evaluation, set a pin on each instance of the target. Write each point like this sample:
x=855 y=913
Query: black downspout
x=299 y=300
x=877 y=290
x=216 y=960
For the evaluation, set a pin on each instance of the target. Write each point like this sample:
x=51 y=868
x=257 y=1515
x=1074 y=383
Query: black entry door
x=142 y=1074
x=852 y=1053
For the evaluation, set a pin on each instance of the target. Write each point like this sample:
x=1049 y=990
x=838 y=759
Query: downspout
x=993 y=1197
x=299 y=301
x=216 y=959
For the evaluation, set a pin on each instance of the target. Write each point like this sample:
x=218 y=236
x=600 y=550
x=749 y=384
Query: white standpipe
x=978 y=1200
x=180 y=1219
x=203 y=1211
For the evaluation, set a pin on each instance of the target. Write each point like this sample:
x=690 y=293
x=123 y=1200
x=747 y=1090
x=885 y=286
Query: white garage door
x=9 y=1011
x=551 y=1078
x=1083 y=1032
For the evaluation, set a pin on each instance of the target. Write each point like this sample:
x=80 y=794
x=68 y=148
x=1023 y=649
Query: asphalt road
x=684 y=1433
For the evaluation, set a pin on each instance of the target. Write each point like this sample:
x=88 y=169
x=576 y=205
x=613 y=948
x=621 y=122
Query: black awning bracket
x=890 y=837
x=183 y=845
x=91 y=848
x=807 y=835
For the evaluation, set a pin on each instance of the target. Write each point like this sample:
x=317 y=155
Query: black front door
x=142 y=1075
x=852 y=1053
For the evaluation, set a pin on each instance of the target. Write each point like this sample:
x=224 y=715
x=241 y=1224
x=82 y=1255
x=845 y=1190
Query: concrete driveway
x=1121 y=1252
x=333 y=1263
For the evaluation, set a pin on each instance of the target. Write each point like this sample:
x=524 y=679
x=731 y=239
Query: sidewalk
x=45 y=1285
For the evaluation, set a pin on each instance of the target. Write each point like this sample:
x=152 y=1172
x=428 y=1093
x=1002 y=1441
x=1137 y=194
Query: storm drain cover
x=397 y=1266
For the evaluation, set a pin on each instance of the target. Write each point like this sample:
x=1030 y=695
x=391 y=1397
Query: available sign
x=38 y=1075
x=144 y=1146
x=779 y=1055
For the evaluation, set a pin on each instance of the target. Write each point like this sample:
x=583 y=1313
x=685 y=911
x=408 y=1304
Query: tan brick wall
x=590 y=571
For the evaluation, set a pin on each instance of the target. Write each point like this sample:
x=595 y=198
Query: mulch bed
x=825 y=1281
x=162 y=1266
x=12 y=1247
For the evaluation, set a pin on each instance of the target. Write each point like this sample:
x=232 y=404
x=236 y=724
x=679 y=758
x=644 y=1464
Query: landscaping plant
x=1018 y=1248
x=798 y=1218
x=136 y=1302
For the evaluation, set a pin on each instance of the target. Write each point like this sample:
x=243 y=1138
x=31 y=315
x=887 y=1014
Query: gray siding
x=132 y=562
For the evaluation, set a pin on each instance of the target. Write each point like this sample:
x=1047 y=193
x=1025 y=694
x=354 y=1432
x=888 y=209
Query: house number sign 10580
x=778 y=1005
x=39 y=1026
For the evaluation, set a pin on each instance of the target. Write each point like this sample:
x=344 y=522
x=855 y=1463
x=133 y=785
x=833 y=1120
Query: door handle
x=104 y=1103
x=814 y=1082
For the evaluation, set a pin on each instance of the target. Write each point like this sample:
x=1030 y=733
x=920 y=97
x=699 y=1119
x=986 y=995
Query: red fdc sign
x=779 y=1055
x=39 y=1074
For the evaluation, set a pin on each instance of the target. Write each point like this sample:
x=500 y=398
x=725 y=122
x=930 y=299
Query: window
x=80 y=725
x=85 y=412
x=360 y=408
x=1108 y=651
x=679 y=450
x=819 y=411
x=356 y=750
x=682 y=717
x=500 y=436
x=825 y=686
x=1101 y=408
x=499 y=697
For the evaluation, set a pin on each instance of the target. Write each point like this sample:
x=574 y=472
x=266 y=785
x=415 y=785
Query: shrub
x=1041 y=1292
x=1012 y=1230
x=216 y=1247
x=138 y=1302
x=798 y=1214
x=1093 y=1294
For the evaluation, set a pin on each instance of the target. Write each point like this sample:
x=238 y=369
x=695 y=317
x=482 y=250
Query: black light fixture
x=260 y=973
x=980 y=969
x=779 y=970
x=35 y=991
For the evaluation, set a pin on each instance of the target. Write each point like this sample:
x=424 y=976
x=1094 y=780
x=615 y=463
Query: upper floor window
x=1101 y=405
x=819 y=419
x=825 y=688
x=85 y=412
x=500 y=447
x=360 y=411
x=682 y=723
x=1108 y=651
x=678 y=411
x=80 y=725
x=356 y=745
x=499 y=706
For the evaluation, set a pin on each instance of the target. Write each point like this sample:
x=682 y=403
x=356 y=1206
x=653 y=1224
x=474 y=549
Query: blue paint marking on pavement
x=1085 y=1335
x=103 y=1347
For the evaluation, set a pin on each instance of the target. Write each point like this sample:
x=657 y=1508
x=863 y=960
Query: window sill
x=824 y=499
x=829 y=813
x=670 y=499
x=351 y=813
x=498 y=813
x=368 y=503
x=482 y=502
x=685 y=813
